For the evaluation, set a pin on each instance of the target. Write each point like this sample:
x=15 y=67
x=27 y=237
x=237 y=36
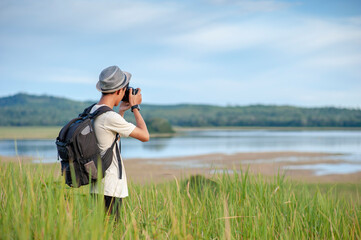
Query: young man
x=113 y=84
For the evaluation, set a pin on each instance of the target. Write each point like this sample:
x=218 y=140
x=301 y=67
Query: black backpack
x=79 y=152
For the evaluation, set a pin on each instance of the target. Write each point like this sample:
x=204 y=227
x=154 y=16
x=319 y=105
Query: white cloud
x=296 y=35
x=314 y=34
x=65 y=75
x=81 y=15
x=70 y=79
x=51 y=74
x=251 y=6
x=172 y=64
x=222 y=37
x=263 y=6
x=335 y=61
x=281 y=91
x=354 y=20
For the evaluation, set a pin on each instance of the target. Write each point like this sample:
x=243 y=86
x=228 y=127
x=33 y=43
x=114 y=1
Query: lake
x=347 y=142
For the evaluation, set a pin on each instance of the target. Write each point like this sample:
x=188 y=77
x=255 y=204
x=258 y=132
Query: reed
x=36 y=204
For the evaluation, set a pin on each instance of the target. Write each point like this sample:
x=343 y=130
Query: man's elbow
x=145 y=138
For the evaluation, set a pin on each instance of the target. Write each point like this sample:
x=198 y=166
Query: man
x=113 y=84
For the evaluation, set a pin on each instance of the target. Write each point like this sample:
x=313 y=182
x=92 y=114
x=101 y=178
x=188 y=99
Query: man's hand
x=135 y=99
x=124 y=106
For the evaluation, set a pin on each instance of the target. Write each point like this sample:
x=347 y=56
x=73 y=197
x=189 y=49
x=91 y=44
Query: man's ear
x=118 y=92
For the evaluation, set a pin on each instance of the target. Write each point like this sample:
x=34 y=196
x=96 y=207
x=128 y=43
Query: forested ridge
x=31 y=110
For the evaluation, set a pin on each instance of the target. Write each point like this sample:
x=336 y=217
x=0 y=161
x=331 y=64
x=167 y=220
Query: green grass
x=39 y=132
x=35 y=204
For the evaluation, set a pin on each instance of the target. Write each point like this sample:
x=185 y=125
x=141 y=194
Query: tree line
x=30 y=110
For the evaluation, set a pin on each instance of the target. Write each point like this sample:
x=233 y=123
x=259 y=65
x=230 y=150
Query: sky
x=220 y=52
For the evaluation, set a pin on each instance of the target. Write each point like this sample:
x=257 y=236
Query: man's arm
x=140 y=132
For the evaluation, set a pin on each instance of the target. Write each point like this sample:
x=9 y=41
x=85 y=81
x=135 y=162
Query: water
x=325 y=169
x=190 y=143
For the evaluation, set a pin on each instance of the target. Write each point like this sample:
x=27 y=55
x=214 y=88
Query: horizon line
x=198 y=104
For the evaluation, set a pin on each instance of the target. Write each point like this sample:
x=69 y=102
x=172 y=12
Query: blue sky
x=223 y=52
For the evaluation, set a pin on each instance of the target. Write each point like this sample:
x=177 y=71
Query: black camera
x=126 y=95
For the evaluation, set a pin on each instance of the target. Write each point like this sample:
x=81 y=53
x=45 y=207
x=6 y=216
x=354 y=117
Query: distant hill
x=30 y=110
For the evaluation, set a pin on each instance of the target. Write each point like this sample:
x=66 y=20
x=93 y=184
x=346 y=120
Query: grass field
x=39 y=132
x=35 y=204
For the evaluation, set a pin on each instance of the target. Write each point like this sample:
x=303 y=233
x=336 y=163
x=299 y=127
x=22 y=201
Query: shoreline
x=268 y=164
x=182 y=129
x=51 y=132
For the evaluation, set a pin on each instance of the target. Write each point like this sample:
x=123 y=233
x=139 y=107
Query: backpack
x=79 y=152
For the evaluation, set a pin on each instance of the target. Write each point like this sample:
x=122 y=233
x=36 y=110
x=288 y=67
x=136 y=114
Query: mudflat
x=268 y=164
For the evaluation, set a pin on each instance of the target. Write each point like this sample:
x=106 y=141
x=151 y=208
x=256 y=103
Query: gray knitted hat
x=112 y=79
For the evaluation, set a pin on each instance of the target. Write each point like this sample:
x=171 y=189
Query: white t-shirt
x=106 y=126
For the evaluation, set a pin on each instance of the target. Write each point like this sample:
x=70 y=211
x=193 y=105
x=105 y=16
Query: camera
x=134 y=91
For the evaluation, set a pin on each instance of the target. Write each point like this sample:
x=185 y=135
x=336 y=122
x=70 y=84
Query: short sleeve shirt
x=106 y=126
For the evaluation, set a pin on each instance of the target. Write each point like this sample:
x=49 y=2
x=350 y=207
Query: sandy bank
x=266 y=163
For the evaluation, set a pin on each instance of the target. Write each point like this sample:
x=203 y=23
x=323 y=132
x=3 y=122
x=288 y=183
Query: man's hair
x=104 y=94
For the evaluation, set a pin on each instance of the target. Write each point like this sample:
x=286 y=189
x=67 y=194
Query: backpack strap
x=109 y=154
x=99 y=111
x=118 y=155
x=96 y=113
x=86 y=111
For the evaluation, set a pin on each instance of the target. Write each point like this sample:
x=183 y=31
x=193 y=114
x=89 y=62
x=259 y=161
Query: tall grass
x=35 y=204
